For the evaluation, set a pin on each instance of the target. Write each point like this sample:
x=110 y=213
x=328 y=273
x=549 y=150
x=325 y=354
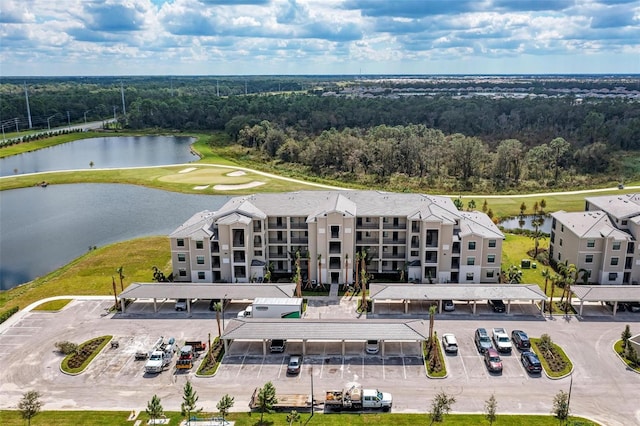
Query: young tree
x=490 y=407
x=293 y=417
x=626 y=335
x=266 y=399
x=120 y=272
x=320 y=269
x=561 y=406
x=440 y=406
x=632 y=355
x=225 y=403
x=29 y=405
x=432 y=315
x=189 y=401
x=154 y=408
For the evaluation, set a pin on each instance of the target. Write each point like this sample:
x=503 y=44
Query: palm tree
x=120 y=272
x=364 y=278
x=346 y=269
x=536 y=235
x=319 y=269
x=432 y=315
x=298 y=275
x=514 y=275
x=218 y=308
x=357 y=278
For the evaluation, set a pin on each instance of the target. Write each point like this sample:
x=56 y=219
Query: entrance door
x=335 y=277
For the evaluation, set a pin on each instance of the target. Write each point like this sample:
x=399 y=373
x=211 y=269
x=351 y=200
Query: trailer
x=301 y=402
x=142 y=355
x=273 y=307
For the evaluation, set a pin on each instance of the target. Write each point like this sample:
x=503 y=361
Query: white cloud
x=42 y=37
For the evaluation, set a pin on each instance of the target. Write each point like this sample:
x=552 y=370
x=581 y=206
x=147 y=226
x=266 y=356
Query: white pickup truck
x=501 y=340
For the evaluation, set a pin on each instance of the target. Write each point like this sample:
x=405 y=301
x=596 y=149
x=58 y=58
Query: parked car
x=531 y=362
x=294 y=365
x=449 y=343
x=520 y=340
x=448 y=305
x=181 y=305
x=482 y=340
x=621 y=306
x=492 y=361
x=497 y=305
x=372 y=346
x=277 y=345
x=633 y=306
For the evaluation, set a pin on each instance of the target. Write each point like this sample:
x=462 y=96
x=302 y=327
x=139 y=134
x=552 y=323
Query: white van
x=450 y=343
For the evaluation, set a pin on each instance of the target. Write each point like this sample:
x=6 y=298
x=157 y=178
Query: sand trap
x=234 y=187
x=201 y=187
x=236 y=173
x=190 y=169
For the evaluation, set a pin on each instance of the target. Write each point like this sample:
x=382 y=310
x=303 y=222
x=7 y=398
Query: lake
x=45 y=228
x=514 y=223
x=103 y=152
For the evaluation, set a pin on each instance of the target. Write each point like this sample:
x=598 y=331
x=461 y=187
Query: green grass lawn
x=52 y=305
x=108 y=418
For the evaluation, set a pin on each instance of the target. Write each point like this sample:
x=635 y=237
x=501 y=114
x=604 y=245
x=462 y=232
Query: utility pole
x=26 y=96
x=245 y=87
x=124 y=108
x=68 y=120
x=217 y=88
x=17 y=128
x=114 y=112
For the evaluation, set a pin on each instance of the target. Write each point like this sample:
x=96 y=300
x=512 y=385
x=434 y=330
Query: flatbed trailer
x=300 y=402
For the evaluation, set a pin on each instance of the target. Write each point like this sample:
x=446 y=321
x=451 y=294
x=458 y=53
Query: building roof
x=607 y=293
x=621 y=206
x=199 y=221
x=326 y=330
x=206 y=291
x=456 y=292
x=589 y=224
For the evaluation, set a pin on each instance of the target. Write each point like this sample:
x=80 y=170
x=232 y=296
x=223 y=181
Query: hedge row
x=7 y=314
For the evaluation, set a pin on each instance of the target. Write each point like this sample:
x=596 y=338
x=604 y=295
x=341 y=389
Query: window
x=471 y=261
x=591 y=243
x=561 y=228
x=201 y=275
x=560 y=242
x=180 y=242
x=335 y=231
x=613 y=276
x=614 y=261
x=257 y=253
x=492 y=243
x=199 y=244
x=623 y=223
x=415 y=253
x=616 y=245
x=469 y=276
x=588 y=258
x=491 y=258
x=559 y=257
x=181 y=257
x=472 y=245
x=182 y=272
x=200 y=260
x=490 y=274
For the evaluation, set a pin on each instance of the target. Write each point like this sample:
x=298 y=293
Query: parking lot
x=29 y=360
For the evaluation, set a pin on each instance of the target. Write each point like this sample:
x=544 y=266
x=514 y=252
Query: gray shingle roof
x=610 y=293
x=326 y=330
x=456 y=292
x=589 y=224
x=620 y=206
x=206 y=291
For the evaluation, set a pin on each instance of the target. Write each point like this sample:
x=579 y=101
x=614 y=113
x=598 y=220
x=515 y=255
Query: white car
x=372 y=346
x=449 y=343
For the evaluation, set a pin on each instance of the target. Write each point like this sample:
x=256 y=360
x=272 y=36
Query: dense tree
x=225 y=404
x=266 y=399
x=154 y=408
x=440 y=406
x=625 y=336
x=561 y=406
x=189 y=401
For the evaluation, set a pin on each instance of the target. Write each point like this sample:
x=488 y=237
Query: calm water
x=106 y=152
x=43 y=229
x=516 y=223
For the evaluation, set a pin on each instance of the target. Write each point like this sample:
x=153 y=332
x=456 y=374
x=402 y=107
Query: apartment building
x=602 y=240
x=414 y=237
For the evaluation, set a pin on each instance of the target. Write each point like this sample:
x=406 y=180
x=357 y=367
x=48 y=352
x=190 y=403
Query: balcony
x=398 y=255
x=298 y=224
x=276 y=255
x=402 y=241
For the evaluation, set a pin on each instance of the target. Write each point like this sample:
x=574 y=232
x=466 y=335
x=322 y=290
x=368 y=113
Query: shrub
x=7 y=314
x=67 y=347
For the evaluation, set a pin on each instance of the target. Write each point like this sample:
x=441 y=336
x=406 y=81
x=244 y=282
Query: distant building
x=602 y=240
x=414 y=237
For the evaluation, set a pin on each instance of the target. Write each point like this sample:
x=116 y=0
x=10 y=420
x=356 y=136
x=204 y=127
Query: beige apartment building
x=602 y=240
x=412 y=237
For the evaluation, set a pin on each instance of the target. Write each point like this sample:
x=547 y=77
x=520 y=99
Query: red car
x=492 y=361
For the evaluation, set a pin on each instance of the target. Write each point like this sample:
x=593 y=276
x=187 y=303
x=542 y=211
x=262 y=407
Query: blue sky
x=241 y=37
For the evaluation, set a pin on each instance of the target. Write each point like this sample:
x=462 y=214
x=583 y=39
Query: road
x=603 y=389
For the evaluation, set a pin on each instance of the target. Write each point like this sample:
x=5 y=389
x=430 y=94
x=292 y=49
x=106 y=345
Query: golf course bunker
x=187 y=170
x=237 y=173
x=201 y=187
x=252 y=184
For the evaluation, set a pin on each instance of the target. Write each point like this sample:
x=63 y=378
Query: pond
x=103 y=152
x=45 y=228
x=526 y=222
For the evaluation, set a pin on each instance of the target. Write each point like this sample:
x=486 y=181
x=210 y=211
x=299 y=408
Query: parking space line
x=464 y=367
x=383 y=369
x=404 y=368
x=241 y=364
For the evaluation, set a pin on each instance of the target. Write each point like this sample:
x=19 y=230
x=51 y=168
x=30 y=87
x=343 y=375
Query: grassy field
x=108 y=418
x=53 y=305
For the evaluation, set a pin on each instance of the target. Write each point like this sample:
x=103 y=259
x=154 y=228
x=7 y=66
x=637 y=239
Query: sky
x=275 y=37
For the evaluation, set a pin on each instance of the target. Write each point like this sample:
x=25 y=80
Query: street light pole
x=49 y=121
x=85 y=116
x=223 y=299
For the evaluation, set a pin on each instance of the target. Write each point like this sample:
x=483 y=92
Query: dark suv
x=520 y=340
x=482 y=339
x=497 y=305
x=531 y=362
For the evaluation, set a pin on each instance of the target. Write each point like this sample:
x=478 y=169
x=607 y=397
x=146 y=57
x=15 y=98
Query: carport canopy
x=191 y=291
x=606 y=293
x=329 y=330
x=466 y=292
